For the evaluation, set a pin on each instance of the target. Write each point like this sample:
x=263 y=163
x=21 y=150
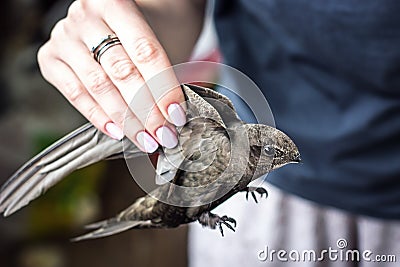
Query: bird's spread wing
x=80 y=148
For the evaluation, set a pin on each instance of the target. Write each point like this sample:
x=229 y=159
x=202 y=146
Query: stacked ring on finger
x=104 y=45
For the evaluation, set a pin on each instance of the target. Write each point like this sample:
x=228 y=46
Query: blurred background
x=32 y=116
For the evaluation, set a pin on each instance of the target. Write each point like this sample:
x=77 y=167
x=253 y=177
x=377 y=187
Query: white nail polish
x=114 y=131
x=147 y=142
x=177 y=114
x=167 y=137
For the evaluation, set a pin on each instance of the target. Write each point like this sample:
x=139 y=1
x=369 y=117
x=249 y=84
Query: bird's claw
x=212 y=220
x=260 y=190
x=225 y=220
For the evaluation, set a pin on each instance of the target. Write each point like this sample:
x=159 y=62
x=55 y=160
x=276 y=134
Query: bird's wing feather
x=197 y=108
x=209 y=93
x=220 y=103
x=78 y=149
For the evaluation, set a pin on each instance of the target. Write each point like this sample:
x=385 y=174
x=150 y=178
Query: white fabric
x=287 y=222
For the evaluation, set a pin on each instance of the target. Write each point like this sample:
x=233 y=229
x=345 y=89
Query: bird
x=217 y=156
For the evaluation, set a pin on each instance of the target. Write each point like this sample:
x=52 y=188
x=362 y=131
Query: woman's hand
x=101 y=90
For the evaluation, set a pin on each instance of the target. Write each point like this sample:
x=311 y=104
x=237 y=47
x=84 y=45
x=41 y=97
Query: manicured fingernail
x=114 y=131
x=177 y=115
x=147 y=142
x=167 y=137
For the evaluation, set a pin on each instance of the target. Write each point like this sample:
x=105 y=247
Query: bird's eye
x=269 y=150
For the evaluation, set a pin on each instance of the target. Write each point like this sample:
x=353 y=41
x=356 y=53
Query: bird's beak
x=297 y=158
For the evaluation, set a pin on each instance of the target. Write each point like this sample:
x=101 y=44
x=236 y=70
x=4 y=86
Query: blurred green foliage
x=73 y=201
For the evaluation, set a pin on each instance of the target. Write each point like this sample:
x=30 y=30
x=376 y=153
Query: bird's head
x=271 y=147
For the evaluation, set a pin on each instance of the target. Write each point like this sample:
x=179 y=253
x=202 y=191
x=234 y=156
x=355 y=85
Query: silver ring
x=104 y=45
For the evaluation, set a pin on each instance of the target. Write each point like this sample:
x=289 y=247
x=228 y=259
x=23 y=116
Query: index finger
x=146 y=52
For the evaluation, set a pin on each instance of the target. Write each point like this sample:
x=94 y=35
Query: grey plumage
x=218 y=156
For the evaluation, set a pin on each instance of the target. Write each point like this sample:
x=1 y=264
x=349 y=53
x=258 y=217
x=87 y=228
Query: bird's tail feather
x=80 y=148
x=96 y=225
x=110 y=227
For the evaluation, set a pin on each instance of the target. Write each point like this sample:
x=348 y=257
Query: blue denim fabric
x=331 y=73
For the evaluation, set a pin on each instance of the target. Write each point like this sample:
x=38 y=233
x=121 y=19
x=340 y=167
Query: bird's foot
x=251 y=190
x=212 y=220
